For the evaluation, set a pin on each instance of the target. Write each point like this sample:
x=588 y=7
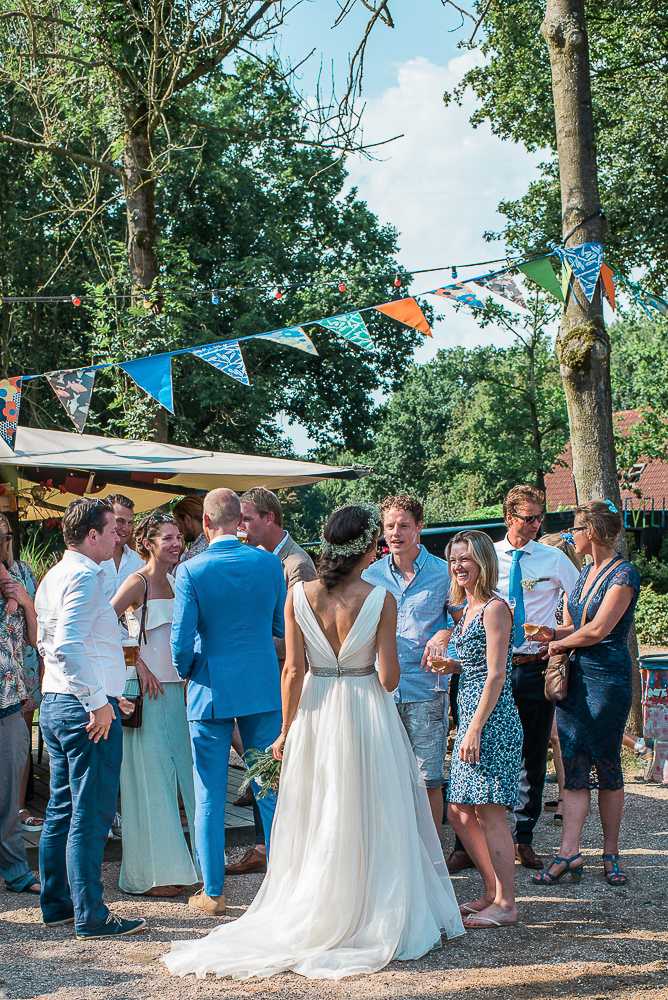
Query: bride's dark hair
x=347 y=535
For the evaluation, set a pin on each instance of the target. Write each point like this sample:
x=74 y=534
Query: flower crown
x=356 y=546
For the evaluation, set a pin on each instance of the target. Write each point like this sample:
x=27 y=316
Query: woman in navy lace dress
x=591 y=718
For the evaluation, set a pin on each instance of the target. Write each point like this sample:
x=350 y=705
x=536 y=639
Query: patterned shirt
x=13 y=645
x=199 y=545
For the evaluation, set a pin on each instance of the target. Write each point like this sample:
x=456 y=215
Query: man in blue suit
x=228 y=606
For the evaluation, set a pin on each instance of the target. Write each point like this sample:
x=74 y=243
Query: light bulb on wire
x=278 y=294
x=215 y=298
x=454 y=274
x=397 y=281
x=76 y=301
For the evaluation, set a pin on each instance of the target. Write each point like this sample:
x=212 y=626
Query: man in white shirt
x=124 y=560
x=534 y=576
x=84 y=677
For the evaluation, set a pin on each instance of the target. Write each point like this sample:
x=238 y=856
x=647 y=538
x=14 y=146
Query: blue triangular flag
x=226 y=357
x=352 y=327
x=154 y=376
x=585 y=261
x=294 y=336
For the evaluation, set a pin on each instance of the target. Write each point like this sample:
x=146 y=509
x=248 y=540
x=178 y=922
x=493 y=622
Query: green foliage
x=628 y=47
x=651 y=618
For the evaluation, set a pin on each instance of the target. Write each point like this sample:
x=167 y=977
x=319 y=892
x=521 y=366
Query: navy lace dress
x=592 y=717
x=495 y=777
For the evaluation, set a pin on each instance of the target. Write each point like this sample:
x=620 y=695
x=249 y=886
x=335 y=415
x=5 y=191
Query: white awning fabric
x=148 y=472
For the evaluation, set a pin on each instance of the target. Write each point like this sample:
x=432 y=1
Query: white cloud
x=439 y=186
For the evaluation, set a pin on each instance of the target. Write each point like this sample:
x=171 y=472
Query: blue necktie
x=516 y=591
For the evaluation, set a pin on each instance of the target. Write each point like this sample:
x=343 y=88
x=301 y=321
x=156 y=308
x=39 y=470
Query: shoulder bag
x=558 y=666
x=132 y=686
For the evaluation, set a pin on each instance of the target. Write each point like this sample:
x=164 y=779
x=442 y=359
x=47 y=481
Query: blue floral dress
x=494 y=778
x=592 y=716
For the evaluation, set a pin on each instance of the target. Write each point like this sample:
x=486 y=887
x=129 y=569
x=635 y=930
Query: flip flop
x=469 y=911
x=488 y=920
x=32 y=823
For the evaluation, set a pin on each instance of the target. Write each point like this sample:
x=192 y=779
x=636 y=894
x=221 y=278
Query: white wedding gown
x=356 y=875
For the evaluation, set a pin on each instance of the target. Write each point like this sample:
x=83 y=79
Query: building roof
x=651 y=478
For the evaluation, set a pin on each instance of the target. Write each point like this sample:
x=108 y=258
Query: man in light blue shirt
x=420 y=583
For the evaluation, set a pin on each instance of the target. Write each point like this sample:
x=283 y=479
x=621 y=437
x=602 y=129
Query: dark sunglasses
x=576 y=527
x=530 y=519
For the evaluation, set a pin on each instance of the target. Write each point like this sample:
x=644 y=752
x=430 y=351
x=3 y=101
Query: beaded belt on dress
x=338 y=672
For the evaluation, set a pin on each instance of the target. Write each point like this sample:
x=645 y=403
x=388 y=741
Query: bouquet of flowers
x=264 y=768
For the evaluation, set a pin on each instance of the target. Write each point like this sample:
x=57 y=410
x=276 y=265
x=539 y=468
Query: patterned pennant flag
x=459 y=292
x=656 y=302
x=154 y=376
x=352 y=327
x=10 y=404
x=503 y=285
x=74 y=389
x=566 y=275
x=294 y=336
x=609 y=284
x=586 y=261
x=226 y=357
x=408 y=312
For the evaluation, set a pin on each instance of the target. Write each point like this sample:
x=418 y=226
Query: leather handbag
x=557 y=669
x=132 y=686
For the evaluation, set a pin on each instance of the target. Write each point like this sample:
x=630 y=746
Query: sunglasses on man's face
x=529 y=518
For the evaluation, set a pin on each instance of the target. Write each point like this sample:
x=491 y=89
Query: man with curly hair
x=420 y=583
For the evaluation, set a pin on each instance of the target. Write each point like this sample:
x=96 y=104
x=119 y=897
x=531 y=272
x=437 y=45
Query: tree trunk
x=583 y=345
x=143 y=231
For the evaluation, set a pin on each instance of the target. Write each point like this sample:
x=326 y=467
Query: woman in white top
x=157 y=760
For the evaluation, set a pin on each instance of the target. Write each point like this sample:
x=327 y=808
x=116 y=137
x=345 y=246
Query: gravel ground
x=572 y=941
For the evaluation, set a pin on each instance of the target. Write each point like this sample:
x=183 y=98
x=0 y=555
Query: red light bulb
x=342 y=287
x=76 y=301
x=278 y=294
x=397 y=282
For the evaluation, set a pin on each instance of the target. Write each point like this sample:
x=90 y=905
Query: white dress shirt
x=112 y=578
x=77 y=633
x=552 y=571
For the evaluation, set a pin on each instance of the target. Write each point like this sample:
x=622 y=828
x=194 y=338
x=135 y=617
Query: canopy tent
x=148 y=472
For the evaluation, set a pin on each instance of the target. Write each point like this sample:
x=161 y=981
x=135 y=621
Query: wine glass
x=530 y=630
x=437 y=655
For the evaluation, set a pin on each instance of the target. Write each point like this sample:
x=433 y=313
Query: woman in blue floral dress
x=591 y=718
x=485 y=764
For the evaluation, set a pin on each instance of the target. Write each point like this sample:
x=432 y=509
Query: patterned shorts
x=426 y=723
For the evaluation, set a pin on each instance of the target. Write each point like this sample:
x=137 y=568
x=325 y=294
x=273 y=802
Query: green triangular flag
x=352 y=327
x=541 y=272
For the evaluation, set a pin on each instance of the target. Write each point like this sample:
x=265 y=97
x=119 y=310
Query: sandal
x=616 y=876
x=546 y=878
x=31 y=823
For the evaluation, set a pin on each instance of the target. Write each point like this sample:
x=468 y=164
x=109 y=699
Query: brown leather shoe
x=252 y=861
x=213 y=906
x=244 y=800
x=458 y=861
x=525 y=854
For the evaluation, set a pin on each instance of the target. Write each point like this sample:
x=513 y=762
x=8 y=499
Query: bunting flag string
x=541 y=272
x=226 y=357
x=609 y=283
x=352 y=327
x=408 y=312
x=154 y=376
x=10 y=404
x=566 y=275
x=74 y=390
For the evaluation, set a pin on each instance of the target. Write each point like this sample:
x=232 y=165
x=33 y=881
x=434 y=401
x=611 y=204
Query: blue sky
x=440 y=184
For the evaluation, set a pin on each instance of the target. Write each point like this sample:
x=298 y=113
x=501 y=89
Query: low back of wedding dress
x=356 y=873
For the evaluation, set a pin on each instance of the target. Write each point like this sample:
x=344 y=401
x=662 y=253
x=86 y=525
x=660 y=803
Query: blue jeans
x=82 y=805
x=211 y=741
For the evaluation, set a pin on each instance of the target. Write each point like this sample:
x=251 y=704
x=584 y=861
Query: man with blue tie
x=228 y=607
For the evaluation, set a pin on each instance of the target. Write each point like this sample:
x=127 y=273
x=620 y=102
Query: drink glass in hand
x=437 y=658
x=530 y=630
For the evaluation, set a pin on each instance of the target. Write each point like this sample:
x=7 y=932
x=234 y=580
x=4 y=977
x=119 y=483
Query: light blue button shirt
x=421 y=612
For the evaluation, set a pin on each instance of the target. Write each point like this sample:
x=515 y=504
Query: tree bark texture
x=583 y=344
x=139 y=183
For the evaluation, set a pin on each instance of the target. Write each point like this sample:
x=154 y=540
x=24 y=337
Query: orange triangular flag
x=408 y=312
x=607 y=276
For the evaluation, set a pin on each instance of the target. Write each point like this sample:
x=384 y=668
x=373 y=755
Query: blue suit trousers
x=211 y=742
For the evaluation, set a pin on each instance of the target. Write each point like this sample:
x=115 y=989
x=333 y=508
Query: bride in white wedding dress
x=356 y=874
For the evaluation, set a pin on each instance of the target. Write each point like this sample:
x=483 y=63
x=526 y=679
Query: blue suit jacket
x=229 y=598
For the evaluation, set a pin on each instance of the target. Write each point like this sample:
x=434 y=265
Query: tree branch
x=69 y=154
